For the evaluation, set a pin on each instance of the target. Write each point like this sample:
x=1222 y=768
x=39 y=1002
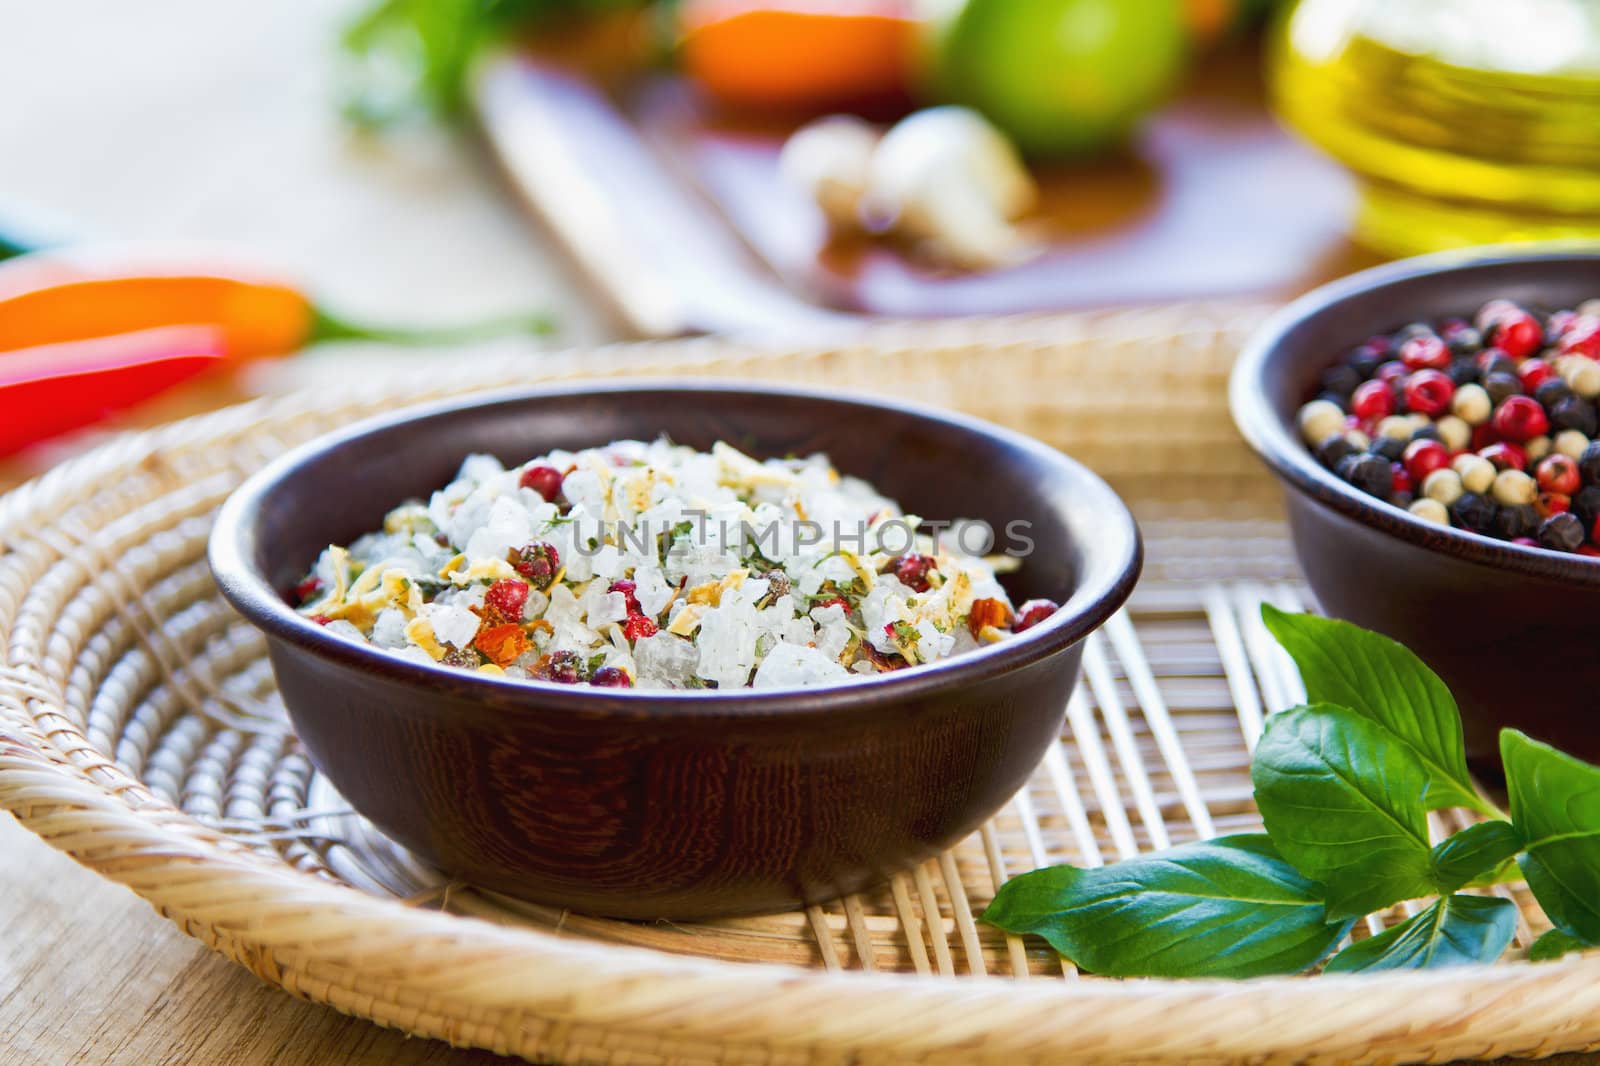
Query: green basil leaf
x=1553 y=945
x=1342 y=801
x=1229 y=907
x=1348 y=666
x=1555 y=805
x=1475 y=853
x=1454 y=931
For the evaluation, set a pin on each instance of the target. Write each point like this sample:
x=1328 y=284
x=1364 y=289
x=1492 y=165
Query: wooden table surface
x=212 y=119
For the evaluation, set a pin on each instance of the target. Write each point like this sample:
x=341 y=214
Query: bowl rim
x=1288 y=457
x=1090 y=604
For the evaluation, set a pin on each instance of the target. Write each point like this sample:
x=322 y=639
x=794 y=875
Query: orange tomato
x=799 y=56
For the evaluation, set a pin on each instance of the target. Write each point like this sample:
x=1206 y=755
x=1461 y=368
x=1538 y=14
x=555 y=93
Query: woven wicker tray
x=140 y=732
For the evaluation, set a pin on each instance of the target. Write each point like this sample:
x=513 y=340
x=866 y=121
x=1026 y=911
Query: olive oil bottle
x=1465 y=121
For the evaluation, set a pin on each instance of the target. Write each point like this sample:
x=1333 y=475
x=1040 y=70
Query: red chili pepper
x=55 y=388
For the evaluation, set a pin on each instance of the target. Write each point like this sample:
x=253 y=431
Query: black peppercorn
x=1498 y=362
x=1473 y=511
x=1428 y=432
x=1415 y=329
x=1340 y=380
x=1390 y=449
x=1502 y=387
x=1552 y=391
x=1364 y=361
x=1335 y=448
x=1341 y=402
x=1562 y=533
x=1513 y=522
x=1466 y=341
x=1464 y=371
x=1574 y=412
x=1589 y=464
x=1371 y=474
x=1586 y=504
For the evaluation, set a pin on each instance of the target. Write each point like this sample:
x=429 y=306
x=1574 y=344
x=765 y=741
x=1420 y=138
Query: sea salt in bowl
x=680 y=804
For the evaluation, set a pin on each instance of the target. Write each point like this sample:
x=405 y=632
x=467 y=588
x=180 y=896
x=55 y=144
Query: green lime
x=1062 y=77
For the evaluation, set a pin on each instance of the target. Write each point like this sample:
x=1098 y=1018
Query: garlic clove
x=829 y=161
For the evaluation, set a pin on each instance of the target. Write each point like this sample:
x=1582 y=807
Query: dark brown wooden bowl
x=1512 y=630
x=679 y=804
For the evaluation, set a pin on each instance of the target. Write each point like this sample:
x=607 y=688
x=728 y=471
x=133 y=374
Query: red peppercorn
x=1534 y=372
x=1423 y=457
x=1032 y=613
x=1526 y=542
x=1491 y=312
x=307 y=589
x=627 y=588
x=508 y=596
x=1517 y=333
x=637 y=627
x=1379 y=345
x=545 y=480
x=1558 y=473
x=1372 y=400
x=1590 y=550
x=1506 y=456
x=912 y=570
x=1520 y=418
x=1582 y=337
x=611 y=677
x=1549 y=503
x=1425 y=353
x=538 y=562
x=562 y=667
x=1483 y=436
x=1428 y=392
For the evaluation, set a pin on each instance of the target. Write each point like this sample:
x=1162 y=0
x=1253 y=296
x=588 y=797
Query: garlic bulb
x=948 y=178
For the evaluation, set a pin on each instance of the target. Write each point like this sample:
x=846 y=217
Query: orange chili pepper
x=45 y=302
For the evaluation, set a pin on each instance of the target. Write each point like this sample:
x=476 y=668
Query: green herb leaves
x=1344 y=786
x=1555 y=804
x=1368 y=673
x=1345 y=807
x=1478 y=855
x=1454 y=931
x=1229 y=907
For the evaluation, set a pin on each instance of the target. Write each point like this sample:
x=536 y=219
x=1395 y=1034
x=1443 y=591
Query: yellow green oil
x=1465 y=121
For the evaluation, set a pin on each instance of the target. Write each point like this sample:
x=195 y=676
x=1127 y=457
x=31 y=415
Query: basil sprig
x=1344 y=785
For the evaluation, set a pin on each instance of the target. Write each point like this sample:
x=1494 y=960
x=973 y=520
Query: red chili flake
x=988 y=612
x=637 y=627
x=507 y=597
x=321 y=619
x=308 y=588
x=832 y=601
x=502 y=644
